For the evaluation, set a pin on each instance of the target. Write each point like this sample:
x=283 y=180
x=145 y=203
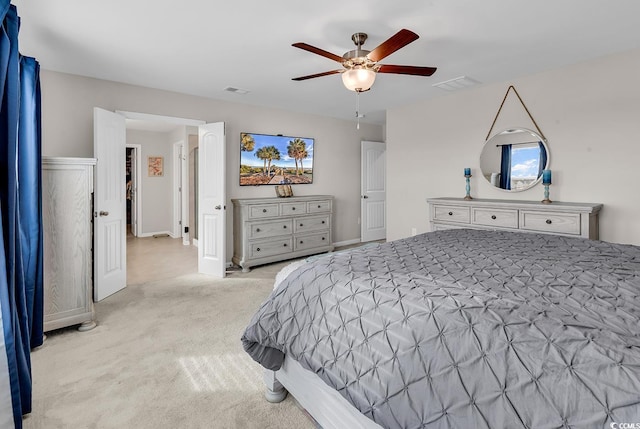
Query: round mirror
x=513 y=159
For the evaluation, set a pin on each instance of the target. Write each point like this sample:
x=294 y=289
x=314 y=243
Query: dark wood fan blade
x=400 y=39
x=417 y=71
x=311 y=76
x=318 y=51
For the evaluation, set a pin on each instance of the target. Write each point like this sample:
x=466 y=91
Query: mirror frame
x=511 y=130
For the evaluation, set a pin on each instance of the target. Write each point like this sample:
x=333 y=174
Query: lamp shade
x=358 y=79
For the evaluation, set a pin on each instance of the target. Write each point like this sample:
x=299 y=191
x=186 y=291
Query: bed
x=458 y=328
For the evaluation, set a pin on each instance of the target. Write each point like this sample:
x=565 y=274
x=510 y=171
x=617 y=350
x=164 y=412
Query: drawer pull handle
x=293 y=208
x=493 y=217
x=258 y=249
x=322 y=238
x=301 y=225
x=319 y=206
x=323 y=222
x=548 y=221
x=264 y=210
x=285 y=244
x=301 y=242
x=450 y=213
x=257 y=229
x=284 y=226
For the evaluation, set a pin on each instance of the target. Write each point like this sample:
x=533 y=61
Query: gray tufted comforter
x=466 y=329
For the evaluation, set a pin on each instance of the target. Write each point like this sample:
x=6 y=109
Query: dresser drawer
x=451 y=213
x=311 y=241
x=287 y=209
x=263 y=210
x=562 y=223
x=271 y=247
x=500 y=218
x=318 y=206
x=269 y=229
x=315 y=223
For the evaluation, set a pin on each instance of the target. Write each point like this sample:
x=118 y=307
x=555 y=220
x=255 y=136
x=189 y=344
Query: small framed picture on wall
x=155 y=166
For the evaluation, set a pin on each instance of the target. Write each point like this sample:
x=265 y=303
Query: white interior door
x=110 y=218
x=177 y=191
x=373 y=194
x=211 y=200
x=184 y=167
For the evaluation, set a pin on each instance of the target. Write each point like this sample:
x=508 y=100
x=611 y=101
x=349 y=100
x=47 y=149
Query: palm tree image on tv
x=247 y=143
x=297 y=149
x=268 y=154
x=275 y=160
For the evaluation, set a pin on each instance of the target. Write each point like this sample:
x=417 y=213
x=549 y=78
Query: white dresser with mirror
x=513 y=160
x=558 y=218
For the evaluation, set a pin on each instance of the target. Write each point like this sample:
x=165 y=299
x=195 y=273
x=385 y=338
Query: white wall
x=155 y=192
x=67 y=127
x=588 y=112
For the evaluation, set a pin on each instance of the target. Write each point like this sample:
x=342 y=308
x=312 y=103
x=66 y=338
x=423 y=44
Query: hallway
x=150 y=259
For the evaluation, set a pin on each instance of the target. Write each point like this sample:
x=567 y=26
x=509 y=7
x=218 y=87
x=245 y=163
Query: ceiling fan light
x=358 y=79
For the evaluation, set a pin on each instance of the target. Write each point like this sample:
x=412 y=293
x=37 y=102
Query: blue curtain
x=21 y=293
x=505 y=167
x=543 y=159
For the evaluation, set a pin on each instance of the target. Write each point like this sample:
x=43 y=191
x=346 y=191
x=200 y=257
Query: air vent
x=238 y=91
x=457 y=83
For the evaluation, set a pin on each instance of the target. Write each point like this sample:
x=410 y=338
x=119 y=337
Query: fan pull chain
x=358 y=109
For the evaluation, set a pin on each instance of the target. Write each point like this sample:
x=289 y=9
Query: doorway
x=193 y=189
x=162 y=188
x=180 y=222
x=132 y=180
x=110 y=139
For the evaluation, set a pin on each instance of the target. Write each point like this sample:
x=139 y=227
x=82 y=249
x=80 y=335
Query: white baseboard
x=195 y=242
x=347 y=242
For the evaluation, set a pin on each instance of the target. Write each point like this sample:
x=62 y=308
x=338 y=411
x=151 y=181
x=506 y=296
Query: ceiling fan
x=361 y=66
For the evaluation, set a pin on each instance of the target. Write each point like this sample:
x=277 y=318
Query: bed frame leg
x=275 y=391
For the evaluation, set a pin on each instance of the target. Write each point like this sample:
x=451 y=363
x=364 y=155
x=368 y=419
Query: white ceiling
x=200 y=47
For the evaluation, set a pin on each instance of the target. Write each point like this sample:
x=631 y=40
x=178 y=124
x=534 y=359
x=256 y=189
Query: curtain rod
x=513 y=144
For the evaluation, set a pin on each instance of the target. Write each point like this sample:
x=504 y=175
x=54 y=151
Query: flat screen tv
x=275 y=159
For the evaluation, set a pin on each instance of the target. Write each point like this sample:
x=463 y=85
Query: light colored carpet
x=165 y=354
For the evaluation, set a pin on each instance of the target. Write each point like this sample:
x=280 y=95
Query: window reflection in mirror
x=513 y=159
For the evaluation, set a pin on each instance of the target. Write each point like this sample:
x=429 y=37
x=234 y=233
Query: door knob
x=218 y=207
x=365 y=196
x=103 y=213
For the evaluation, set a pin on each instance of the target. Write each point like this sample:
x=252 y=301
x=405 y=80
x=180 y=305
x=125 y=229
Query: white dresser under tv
x=268 y=230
